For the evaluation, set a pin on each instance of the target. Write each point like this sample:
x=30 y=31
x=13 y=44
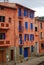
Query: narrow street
x=34 y=61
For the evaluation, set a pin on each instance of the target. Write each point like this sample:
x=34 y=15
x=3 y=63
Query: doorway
x=36 y=47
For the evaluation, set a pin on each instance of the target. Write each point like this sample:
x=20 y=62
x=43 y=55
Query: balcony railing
x=4 y=43
x=4 y=25
x=21 y=43
x=20 y=28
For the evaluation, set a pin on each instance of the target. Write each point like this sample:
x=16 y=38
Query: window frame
x=31 y=36
x=36 y=29
x=26 y=37
x=26 y=25
x=20 y=50
x=41 y=25
x=42 y=45
x=31 y=14
x=25 y=12
x=20 y=12
x=2 y=18
x=31 y=26
x=2 y=36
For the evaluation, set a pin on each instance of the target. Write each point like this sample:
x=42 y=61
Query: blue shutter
x=31 y=37
x=31 y=14
x=31 y=26
x=3 y=35
x=20 y=27
x=26 y=25
x=20 y=50
x=25 y=12
x=19 y=12
x=20 y=39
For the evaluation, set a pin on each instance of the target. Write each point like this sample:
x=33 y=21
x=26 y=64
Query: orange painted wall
x=28 y=31
x=41 y=40
x=37 y=38
x=12 y=33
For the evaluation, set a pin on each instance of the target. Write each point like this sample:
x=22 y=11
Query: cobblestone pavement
x=42 y=63
x=34 y=61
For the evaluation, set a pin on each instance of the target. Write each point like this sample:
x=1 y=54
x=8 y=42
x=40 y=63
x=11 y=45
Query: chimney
x=6 y=0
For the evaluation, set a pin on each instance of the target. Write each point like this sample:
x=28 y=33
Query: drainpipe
x=14 y=42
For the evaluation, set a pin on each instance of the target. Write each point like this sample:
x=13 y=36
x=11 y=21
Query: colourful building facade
x=39 y=21
x=19 y=37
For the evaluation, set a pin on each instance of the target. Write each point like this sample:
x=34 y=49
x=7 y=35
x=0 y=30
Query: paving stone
x=34 y=61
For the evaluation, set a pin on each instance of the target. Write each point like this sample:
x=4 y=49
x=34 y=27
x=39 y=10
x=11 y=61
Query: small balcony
x=4 y=43
x=36 y=33
x=20 y=15
x=21 y=43
x=4 y=25
x=20 y=28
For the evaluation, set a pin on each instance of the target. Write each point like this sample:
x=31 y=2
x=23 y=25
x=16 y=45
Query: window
x=42 y=45
x=1 y=8
x=26 y=25
x=19 y=12
x=26 y=37
x=12 y=54
x=20 y=50
x=35 y=28
x=41 y=35
x=9 y=19
x=2 y=18
x=31 y=14
x=25 y=12
x=20 y=36
x=32 y=48
x=31 y=37
x=20 y=25
x=31 y=26
x=2 y=35
x=41 y=25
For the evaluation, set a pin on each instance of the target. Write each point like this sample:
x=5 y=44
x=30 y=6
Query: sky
x=37 y=5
